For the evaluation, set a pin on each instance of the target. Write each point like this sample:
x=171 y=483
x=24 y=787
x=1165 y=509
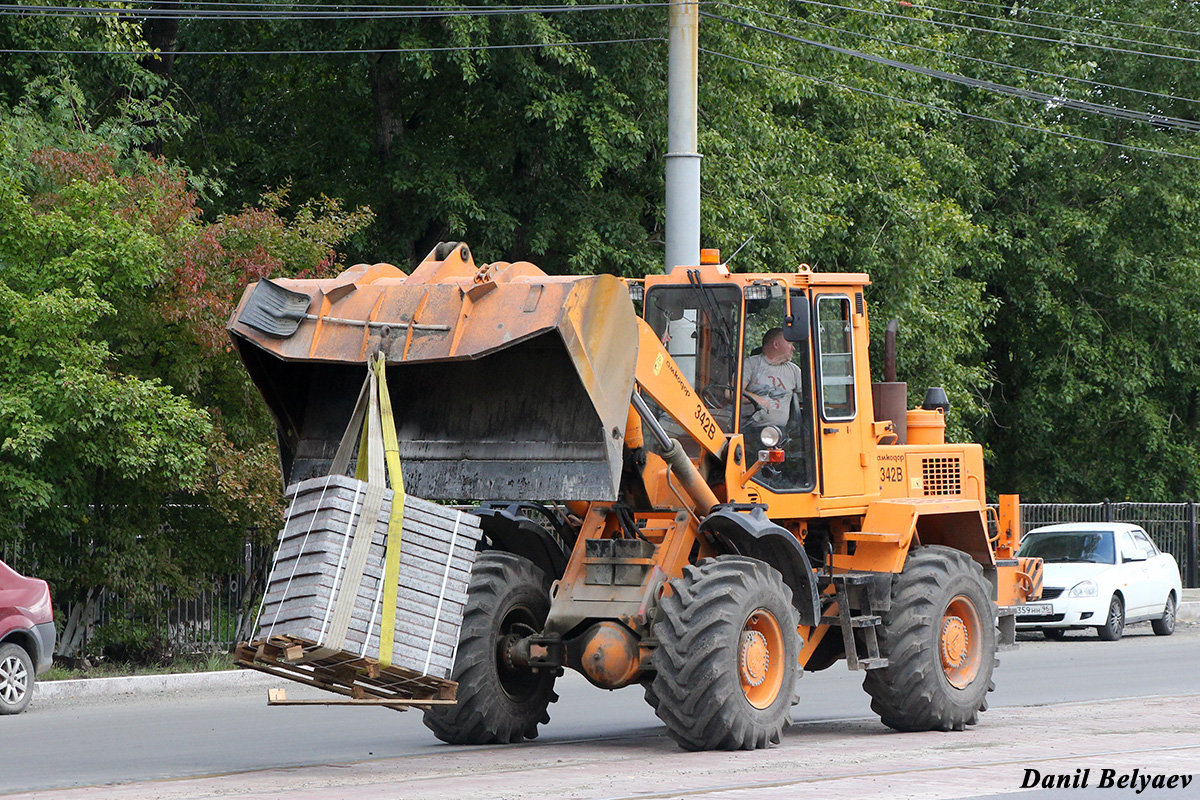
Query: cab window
x=835 y=346
x=699 y=326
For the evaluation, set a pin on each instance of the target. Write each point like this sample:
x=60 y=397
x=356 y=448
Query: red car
x=26 y=637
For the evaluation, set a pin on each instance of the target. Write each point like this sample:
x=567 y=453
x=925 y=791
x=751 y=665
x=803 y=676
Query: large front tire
x=727 y=661
x=497 y=704
x=939 y=637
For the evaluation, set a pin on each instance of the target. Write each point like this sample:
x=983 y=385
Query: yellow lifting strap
x=391 y=570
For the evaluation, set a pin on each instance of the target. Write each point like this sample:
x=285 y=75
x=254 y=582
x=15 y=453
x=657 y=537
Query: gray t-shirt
x=774 y=383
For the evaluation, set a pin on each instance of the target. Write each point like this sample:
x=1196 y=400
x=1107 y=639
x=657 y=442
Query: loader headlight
x=1083 y=589
x=770 y=436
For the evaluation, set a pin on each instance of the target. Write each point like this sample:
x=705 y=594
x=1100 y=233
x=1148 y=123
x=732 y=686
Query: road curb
x=149 y=684
x=1188 y=612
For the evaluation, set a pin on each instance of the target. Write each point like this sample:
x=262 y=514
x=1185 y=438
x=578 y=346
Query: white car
x=1102 y=575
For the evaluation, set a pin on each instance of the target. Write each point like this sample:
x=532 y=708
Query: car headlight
x=770 y=436
x=1084 y=589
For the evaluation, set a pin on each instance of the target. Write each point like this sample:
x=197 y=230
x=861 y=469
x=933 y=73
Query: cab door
x=770 y=311
x=839 y=421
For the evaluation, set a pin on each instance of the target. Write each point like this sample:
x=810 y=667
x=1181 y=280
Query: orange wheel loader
x=686 y=482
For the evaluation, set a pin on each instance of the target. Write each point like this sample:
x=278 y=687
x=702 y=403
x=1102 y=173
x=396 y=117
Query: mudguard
x=745 y=529
x=514 y=532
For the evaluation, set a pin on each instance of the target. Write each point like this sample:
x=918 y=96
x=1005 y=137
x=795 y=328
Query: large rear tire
x=940 y=641
x=726 y=665
x=497 y=704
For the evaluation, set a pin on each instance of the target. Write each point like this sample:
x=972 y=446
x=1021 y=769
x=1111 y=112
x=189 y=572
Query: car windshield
x=1059 y=547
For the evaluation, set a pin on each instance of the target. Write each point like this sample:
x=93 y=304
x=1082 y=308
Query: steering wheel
x=720 y=395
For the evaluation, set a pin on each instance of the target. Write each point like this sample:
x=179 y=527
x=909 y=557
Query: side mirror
x=1133 y=555
x=796 y=326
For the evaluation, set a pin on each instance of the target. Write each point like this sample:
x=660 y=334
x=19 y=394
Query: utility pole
x=683 y=162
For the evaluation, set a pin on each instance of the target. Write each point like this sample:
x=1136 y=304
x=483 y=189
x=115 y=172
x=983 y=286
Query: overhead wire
x=1011 y=9
x=378 y=12
x=1028 y=94
x=356 y=51
x=948 y=110
x=325 y=14
x=1023 y=36
x=226 y=11
x=1008 y=9
x=958 y=56
x=1038 y=26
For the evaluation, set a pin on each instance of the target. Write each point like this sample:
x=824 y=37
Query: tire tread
x=484 y=715
x=912 y=693
x=696 y=691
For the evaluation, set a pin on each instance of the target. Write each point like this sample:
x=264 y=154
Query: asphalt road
x=98 y=742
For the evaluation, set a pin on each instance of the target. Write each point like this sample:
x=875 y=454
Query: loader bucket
x=506 y=383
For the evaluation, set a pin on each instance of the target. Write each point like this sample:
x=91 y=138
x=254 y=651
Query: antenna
x=735 y=252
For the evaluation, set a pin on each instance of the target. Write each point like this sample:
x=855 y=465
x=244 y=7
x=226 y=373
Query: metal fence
x=1172 y=526
x=218 y=612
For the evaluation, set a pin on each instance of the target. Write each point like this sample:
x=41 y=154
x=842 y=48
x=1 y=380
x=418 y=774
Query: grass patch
x=200 y=662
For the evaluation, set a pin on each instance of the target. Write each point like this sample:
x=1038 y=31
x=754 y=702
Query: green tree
x=134 y=454
x=1093 y=349
x=538 y=153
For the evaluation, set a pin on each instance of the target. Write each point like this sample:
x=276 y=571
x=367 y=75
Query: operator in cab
x=771 y=379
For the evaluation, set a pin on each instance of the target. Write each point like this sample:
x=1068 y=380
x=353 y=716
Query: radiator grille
x=942 y=476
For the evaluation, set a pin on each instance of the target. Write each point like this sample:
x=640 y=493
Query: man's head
x=775 y=348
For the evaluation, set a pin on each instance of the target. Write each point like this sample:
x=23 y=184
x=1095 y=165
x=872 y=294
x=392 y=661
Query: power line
x=280 y=5
x=362 y=51
x=1027 y=10
x=1037 y=26
x=969 y=28
x=954 y=111
x=975 y=83
x=958 y=56
x=328 y=13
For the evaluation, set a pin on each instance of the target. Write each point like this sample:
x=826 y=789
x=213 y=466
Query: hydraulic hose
x=677 y=459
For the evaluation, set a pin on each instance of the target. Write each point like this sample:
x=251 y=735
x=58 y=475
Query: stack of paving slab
x=310 y=573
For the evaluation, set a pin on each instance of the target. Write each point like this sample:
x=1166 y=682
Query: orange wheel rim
x=959 y=642
x=761 y=658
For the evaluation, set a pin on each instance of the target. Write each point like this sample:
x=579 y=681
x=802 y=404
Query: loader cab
x=715 y=329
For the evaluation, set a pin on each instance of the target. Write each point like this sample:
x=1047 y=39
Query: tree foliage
x=134 y=454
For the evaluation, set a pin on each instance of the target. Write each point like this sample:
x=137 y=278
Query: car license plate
x=1036 y=609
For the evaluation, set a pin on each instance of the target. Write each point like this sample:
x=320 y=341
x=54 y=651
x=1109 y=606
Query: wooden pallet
x=360 y=679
